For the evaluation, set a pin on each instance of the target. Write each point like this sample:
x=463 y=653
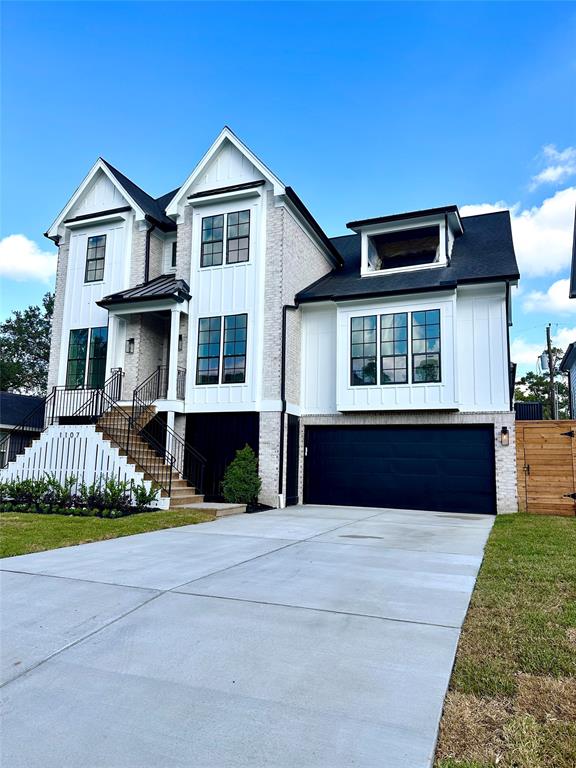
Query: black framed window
x=234 y=358
x=95 y=257
x=238 y=237
x=173 y=259
x=208 y=363
x=394 y=348
x=212 y=241
x=97 y=357
x=77 y=349
x=363 y=351
x=426 y=346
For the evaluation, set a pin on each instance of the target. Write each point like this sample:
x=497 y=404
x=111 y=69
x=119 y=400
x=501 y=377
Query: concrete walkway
x=312 y=637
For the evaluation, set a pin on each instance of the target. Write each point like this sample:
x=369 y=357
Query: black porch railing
x=61 y=404
x=181 y=384
x=188 y=462
x=148 y=456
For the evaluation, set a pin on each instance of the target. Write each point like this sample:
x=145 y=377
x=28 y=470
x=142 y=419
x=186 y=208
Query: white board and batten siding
x=77 y=451
x=228 y=289
x=474 y=356
x=80 y=308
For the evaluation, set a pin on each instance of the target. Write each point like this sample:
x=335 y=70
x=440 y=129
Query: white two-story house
x=370 y=369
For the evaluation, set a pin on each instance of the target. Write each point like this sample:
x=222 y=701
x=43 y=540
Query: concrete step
x=215 y=508
x=185 y=501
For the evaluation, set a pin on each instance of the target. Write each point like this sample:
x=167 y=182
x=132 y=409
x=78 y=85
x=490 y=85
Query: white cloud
x=525 y=352
x=559 y=166
x=555 y=299
x=21 y=259
x=542 y=234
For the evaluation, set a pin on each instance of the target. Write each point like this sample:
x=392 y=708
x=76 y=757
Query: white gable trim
x=99 y=165
x=225 y=135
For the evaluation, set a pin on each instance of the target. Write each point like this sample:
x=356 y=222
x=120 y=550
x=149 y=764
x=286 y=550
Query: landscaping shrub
x=48 y=496
x=241 y=483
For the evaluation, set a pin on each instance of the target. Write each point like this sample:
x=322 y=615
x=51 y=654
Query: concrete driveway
x=312 y=637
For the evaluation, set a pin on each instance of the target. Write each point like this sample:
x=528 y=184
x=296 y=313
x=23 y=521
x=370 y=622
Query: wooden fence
x=546 y=460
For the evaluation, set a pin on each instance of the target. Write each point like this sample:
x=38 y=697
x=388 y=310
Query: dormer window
x=408 y=241
x=408 y=248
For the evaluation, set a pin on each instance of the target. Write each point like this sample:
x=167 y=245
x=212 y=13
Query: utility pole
x=551 y=371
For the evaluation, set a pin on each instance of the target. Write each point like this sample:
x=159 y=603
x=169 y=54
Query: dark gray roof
x=484 y=253
x=569 y=359
x=14 y=409
x=155 y=209
x=572 y=293
x=163 y=287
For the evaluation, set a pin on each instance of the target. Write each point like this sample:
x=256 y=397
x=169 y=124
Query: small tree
x=241 y=484
x=25 y=348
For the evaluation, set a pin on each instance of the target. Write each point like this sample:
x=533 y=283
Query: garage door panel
x=436 y=468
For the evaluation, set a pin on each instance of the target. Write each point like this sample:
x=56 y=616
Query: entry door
x=548 y=467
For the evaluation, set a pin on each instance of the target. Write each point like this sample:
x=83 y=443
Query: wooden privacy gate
x=546 y=459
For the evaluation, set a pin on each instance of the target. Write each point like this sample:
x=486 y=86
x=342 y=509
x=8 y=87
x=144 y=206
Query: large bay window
x=394 y=334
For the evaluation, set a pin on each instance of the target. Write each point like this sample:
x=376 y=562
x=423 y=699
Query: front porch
x=147 y=335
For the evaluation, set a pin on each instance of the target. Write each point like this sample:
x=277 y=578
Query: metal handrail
x=189 y=463
x=62 y=401
x=120 y=428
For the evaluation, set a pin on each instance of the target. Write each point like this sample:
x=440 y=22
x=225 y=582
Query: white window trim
x=366 y=271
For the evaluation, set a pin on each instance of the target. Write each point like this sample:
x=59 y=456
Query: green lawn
x=512 y=698
x=21 y=533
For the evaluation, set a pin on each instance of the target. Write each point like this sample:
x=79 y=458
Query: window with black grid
x=363 y=351
x=77 y=349
x=394 y=348
x=234 y=359
x=173 y=255
x=212 y=241
x=208 y=362
x=426 y=346
x=238 y=237
x=95 y=257
x=97 y=357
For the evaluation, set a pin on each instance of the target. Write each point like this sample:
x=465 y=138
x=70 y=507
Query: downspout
x=147 y=252
x=510 y=383
x=285 y=309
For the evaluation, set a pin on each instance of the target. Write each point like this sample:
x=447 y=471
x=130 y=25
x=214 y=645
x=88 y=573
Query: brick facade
x=293 y=261
x=58 y=314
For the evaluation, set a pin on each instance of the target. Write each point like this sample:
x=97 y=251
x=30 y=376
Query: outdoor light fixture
x=180 y=343
x=130 y=346
x=505 y=436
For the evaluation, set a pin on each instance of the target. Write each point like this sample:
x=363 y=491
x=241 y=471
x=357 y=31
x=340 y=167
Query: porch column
x=173 y=353
x=111 y=348
x=170 y=424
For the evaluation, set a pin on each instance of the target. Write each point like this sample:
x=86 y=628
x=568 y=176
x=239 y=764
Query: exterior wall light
x=180 y=342
x=505 y=436
x=130 y=346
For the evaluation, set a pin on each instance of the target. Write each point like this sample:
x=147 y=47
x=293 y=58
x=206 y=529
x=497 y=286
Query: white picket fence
x=78 y=451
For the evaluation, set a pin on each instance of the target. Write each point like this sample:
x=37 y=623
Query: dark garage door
x=448 y=469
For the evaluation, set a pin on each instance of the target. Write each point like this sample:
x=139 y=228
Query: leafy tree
x=241 y=484
x=535 y=387
x=25 y=348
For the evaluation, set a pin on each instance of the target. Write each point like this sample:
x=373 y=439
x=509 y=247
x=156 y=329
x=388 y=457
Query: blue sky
x=364 y=108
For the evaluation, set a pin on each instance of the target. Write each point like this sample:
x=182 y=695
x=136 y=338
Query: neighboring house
x=369 y=369
x=21 y=421
x=568 y=362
